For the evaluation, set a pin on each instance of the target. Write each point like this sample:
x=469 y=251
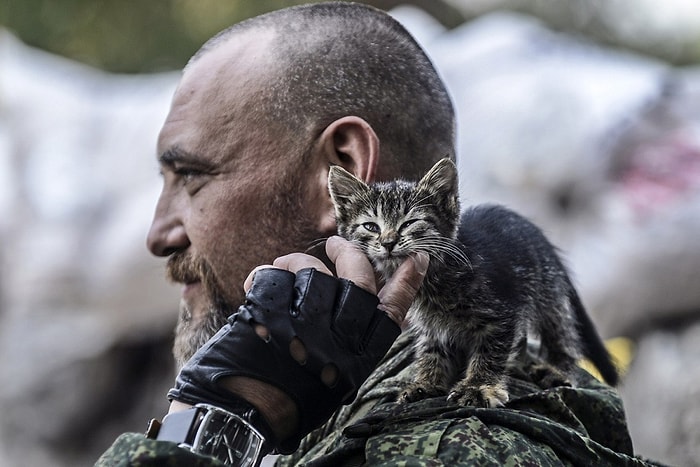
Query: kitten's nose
x=389 y=242
x=389 y=245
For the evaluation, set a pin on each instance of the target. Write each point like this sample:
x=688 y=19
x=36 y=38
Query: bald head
x=329 y=60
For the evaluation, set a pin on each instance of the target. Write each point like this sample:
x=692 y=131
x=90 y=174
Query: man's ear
x=351 y=143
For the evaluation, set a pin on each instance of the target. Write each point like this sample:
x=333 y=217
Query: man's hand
x=351 y=263
x=297 y=358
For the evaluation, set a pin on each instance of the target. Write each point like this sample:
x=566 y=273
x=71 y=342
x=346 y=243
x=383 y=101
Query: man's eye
x=371 y=227
x=190 y=179
x=188 y=175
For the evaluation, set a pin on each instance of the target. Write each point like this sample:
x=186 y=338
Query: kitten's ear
x=441 y=179
x=342 y=184
x=440 y=188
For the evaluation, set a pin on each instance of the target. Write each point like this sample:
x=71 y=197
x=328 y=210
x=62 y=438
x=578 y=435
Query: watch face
x=228 y=438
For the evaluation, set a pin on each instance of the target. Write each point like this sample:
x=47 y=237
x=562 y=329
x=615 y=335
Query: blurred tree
x=136 y=36
x=129 y=36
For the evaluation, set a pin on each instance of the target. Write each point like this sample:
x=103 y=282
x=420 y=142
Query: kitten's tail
x=593 y=346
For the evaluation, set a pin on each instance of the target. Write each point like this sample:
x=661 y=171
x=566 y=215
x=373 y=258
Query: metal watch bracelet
x=211 y=431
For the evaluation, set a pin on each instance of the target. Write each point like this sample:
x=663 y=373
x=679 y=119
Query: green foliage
x=128 y=36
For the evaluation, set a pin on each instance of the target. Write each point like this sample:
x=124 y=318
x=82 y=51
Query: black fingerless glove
x=338 y=324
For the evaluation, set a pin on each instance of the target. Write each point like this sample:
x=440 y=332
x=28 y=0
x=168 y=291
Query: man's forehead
x=216 y=84
x=241 y=52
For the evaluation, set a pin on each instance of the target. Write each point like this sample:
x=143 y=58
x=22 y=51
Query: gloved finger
x=351 y=263
x=292 y=262
x=295 y=262
x=249 y=280
x=398 y=293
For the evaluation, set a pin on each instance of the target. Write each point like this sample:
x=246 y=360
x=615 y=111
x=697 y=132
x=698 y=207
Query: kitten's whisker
x=315 y=244
x=440 y=245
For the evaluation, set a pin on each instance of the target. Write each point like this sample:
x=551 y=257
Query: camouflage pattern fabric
x=135 y=450
x=580 y=426
x=558 y=426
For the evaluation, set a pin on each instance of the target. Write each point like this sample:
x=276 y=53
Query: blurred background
x=582 y=114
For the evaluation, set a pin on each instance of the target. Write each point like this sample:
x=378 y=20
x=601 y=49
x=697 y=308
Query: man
x=261 y=113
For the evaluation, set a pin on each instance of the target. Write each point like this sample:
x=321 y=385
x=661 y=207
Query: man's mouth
x=190 y=289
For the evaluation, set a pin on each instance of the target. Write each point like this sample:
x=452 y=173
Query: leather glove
x=337 y=322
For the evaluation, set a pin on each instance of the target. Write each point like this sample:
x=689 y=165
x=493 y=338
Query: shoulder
x=555 y=426
x=543 y=427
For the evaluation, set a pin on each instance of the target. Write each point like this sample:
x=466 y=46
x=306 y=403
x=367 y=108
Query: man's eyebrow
x=172 y=156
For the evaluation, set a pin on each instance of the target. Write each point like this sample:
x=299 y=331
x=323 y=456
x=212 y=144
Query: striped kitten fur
x=493 y=277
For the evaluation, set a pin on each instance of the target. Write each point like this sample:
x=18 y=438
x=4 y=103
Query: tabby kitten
x=493 y=276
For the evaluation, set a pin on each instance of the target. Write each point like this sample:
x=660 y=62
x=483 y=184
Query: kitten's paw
x=482 y=396
x=546 y=375
x=416 y=392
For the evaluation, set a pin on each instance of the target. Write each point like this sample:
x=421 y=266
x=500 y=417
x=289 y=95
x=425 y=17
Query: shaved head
x=331 y=60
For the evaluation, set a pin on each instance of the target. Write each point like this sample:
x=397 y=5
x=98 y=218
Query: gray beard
x=190 y=336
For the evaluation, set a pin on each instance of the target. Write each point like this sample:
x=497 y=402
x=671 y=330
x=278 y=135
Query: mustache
x=185 y=268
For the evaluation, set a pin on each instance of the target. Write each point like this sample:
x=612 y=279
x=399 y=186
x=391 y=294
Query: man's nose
x=167 y=235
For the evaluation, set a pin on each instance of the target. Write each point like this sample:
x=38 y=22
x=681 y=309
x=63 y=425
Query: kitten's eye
x=371 y=227
x=407 y=224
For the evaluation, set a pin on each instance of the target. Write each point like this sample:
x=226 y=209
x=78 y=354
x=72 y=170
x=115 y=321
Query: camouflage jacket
x=554 y=426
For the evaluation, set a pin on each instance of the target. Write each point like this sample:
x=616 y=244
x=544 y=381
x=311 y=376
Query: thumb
x=396 y=296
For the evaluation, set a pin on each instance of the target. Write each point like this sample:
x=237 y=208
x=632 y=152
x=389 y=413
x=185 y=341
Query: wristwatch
x=214 y=432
